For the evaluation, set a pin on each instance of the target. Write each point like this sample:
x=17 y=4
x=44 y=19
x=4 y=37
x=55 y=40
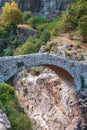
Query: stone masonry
x=69 y=70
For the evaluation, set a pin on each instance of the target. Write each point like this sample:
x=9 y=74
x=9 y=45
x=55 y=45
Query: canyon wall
x=48 y=8
x=50 y=102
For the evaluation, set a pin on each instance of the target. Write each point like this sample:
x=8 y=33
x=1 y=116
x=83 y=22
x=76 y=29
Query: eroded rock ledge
x=49 y=102
x=4 y=122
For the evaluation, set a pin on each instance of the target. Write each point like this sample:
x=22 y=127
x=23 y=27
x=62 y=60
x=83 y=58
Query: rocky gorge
x=49 y=101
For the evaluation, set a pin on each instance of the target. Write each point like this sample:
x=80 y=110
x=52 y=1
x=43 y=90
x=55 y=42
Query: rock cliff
x=4 y=123
x=49 y=102
x=49 y=8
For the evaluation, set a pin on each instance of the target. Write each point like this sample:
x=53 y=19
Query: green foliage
x=9 y=40
x=8 y=52
x=3 y=32
x=48 y=47
x=34 y=21
x=8 y=45
x=54 y=27
x=26 y=16
x=5 y=91
x=76 y=18
x=82 y=26
x=26 y=48
x=15 y=41
x=33 y=44
x=35 y=71
x=8 y=102
x=3 y=45
x=11 y=15
x=45 y=36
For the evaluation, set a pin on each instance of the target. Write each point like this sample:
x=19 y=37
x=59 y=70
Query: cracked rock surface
x=49 y=102
x=4 y=122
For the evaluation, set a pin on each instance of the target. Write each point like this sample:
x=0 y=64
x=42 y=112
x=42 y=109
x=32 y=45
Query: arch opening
x=62 y=73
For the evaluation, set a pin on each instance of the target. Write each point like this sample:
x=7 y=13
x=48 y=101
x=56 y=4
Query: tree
x=11 y=15
x=75 y=18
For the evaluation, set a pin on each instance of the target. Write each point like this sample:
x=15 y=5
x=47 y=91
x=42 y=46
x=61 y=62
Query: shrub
x=34 y=21
x=5 y=91
x=4 y=43
x=48 y=46
x=53 y=27
x=8 y=52
x=74 y=13
x=42 y=26
x=26 y=16
x=3 y=32
x=26 y=48
x=9 y=103
x=35 y=71
x=83 y=27
x=15 y=41
x=45 y=36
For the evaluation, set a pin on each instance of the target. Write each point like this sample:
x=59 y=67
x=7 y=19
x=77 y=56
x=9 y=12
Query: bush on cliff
x=26 y=48
x=45 y=36
x=82 y=26
x=9 y=103
x=75 y=18
x=26 y=16
x=34 y=21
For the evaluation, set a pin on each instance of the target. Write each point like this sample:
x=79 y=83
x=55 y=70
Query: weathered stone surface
x=50 y=102
x=4 y=122
x=68 y=70
x=49 y=8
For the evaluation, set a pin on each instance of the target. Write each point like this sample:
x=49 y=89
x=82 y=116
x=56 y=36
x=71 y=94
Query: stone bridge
x=68 y=70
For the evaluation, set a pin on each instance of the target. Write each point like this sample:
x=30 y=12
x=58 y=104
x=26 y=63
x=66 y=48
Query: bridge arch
x=66 y=69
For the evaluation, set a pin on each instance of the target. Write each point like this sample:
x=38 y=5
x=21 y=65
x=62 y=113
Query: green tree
x=76 y=18
x=11 y=15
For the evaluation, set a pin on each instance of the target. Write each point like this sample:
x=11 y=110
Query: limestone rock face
x=52 y=8
x=4 y=123
x=49 y=102
x=48 y=8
